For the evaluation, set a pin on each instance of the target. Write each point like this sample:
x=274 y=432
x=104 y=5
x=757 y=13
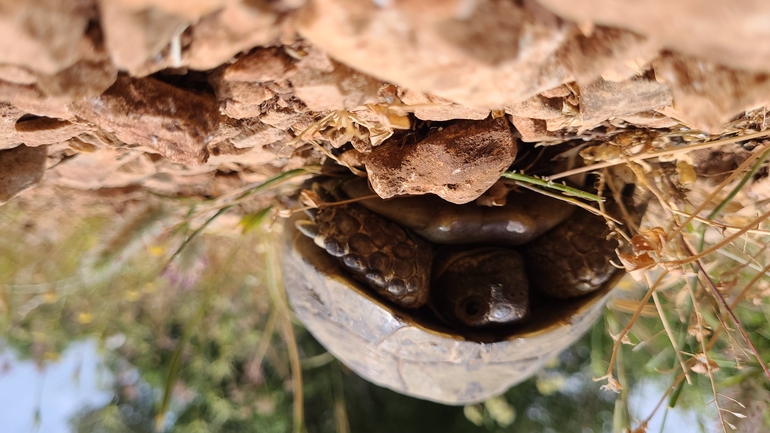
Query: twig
x=729 y=310
x=718 y=225
x=264 y=186
x=726 y=241
x=670 y=333
x=631 y=322
x=716 y=191
x=667 y=152
x=278 y=297
x=267 y=335
x=705 y=355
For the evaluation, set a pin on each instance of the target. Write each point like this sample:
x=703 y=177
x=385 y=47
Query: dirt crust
x=175 y=99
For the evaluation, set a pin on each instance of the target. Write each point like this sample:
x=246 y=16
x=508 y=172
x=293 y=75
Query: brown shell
x=402 y=350
x=573 y=258
x=378 y=252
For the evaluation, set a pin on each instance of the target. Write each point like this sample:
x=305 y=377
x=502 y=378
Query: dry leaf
x=310 y=198
x=636 y=264
x=686 y=172
x=654 y=239
x=624 y=340
x=703 y=365
x=699 y=332
x=611 y=385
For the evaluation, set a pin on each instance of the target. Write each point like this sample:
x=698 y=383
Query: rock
x=532 y=130
x=21 y=168
x=602 y=99
x=17 y=75
x=91 y=75
x=175 y=123
x=560 y=91
x=190 y=9
x=537 y=107
x=614 y=54
x=487 y=54
x=263 y=64
x=219 y=36
x=340 y=89
x=134 y=34
x=43 y=35
x=282 y=112
x=83 y=79
x=649 y=119
x=8 y=117
x=243 y=100
x=720 y=31
x=255 y=133
x=457 y=163
x=707 y=95
x=30 y=99
x=105 y=168
x=439 y=109
x=44 y=130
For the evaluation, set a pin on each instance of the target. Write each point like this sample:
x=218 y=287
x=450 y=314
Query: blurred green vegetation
x=205 y=336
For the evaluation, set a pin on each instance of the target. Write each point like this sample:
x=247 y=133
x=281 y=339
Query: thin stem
x=729 y=310
x=667 y=152
x=545 y=183
x=631 y=322
x=670 y=334
x=707 y=363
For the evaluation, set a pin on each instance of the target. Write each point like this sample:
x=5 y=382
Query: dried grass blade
x=670 y=334
x=267 y=185
x=667 y=152
x=278 y=298
x=729 y=311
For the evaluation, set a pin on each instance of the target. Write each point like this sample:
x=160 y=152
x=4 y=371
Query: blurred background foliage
x=197 y=345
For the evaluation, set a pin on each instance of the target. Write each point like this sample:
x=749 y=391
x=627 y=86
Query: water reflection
x=46 y=397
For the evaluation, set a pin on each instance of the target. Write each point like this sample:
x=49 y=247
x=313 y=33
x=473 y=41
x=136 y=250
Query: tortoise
x=447 y=349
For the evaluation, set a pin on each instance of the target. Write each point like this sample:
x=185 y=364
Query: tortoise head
x=480 y=287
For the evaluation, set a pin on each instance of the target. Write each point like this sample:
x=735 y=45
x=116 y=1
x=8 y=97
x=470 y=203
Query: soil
x=203 y=99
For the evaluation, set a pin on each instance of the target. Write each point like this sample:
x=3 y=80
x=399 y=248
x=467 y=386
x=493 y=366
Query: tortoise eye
x=472 y=306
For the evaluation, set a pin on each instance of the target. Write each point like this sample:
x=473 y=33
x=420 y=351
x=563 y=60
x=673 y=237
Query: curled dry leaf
x=703 y=365
x=624 y=340
x=611 y=385
x=653 y=239
x=699 y=332
x=647 y=247
x=310 y=199
x=635 y=265
x=601 y=152
x=390 y=117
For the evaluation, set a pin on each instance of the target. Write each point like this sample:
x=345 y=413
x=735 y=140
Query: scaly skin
x=377 y=252
x=572 y=259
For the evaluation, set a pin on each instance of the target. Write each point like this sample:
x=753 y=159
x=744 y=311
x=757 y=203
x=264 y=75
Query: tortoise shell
x=413 y=353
